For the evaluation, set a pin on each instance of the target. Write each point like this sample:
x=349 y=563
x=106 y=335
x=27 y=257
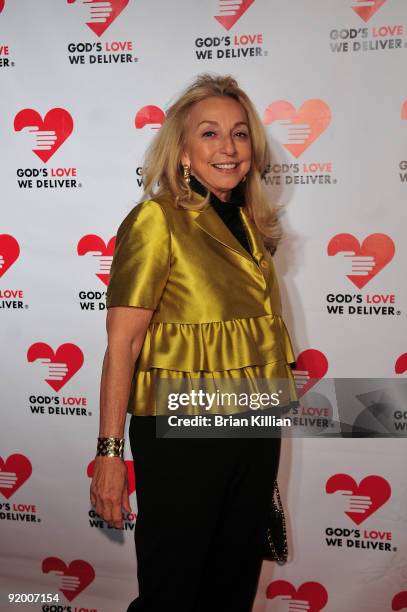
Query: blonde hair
x=162 y=170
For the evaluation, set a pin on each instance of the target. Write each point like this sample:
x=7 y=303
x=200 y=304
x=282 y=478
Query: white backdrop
x=334 y=66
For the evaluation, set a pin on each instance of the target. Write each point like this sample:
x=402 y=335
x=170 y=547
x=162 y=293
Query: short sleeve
x=141 y=259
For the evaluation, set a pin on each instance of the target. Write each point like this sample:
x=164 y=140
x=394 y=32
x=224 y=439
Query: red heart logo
x=399 y=601
x=15 y=464
x=9 y=250
x=315 y=113
x=312 y=592
x=78 y=568
x=117 y=7
x=376 y=487
x=149 y=115
x=315 y=363
x=228 y=21
x=67 y=353
x=366 y=12
x=57 y=120
x=401 y=364
x=131 y=478
x=92 y=242
x=380 y=246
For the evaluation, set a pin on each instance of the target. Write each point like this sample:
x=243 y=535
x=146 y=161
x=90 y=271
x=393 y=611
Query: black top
x=227 y=211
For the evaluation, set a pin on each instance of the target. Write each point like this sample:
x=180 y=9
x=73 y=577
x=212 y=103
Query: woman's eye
x=211 y=133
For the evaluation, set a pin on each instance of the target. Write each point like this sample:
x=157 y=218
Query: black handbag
x=275 y=547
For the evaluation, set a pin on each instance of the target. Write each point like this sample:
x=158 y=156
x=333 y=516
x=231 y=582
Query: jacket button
x=264 y=263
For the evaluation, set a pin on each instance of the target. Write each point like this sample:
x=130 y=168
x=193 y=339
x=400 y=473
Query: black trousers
x=202 y=514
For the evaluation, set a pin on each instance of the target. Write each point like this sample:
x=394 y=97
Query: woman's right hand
x=126 y=330
x=108 y=490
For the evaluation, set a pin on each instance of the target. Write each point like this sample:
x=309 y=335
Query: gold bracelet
x=110 y=447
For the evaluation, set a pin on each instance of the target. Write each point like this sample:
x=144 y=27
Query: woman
x=193 y=297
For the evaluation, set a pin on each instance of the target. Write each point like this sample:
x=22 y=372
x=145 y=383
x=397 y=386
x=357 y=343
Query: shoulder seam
x=167 y=224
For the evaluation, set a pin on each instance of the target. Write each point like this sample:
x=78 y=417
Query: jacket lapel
x=210 y=222
x=255 y=239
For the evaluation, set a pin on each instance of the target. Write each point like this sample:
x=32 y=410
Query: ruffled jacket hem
x=216 y=346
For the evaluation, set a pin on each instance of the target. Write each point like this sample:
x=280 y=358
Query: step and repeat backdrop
x=84 y=87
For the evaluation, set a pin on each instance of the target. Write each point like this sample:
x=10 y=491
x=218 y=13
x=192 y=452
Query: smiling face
x=217 y=144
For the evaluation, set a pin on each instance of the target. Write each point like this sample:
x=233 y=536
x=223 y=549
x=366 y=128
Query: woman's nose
x=228 y=145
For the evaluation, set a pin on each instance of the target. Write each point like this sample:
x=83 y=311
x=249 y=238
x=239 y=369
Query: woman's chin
x=227 y=182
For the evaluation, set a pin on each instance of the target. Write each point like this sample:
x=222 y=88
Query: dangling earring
x=187 y=173
x=244 y=179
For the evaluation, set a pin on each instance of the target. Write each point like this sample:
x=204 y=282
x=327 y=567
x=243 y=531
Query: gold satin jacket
x=217 y=308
